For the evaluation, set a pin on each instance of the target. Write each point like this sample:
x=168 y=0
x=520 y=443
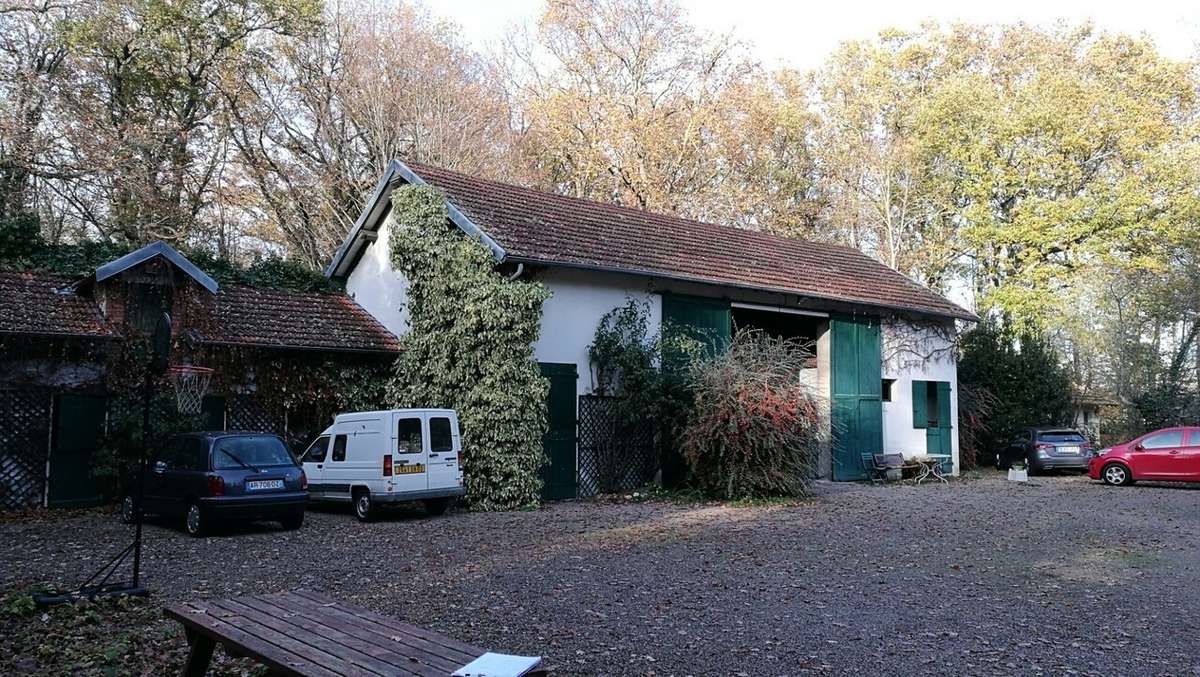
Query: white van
x=377 y=457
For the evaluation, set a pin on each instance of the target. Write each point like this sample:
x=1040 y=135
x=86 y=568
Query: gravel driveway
x=978 y=577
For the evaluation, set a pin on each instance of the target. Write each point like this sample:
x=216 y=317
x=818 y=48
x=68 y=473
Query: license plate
x=1068 y=450
x=259 y=485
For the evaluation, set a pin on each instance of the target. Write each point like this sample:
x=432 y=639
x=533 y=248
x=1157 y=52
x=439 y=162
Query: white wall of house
x=578 y=299
x=913 y=352
x=379 y=289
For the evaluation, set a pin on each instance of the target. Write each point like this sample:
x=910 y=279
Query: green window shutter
x=920 y=404
x=943 y=397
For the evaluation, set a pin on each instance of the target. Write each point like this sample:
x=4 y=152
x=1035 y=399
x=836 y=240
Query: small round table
x=931 y=466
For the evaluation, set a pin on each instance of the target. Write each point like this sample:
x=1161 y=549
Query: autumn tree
x=314 y=133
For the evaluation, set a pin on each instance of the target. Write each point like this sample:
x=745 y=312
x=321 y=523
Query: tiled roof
x=534 y=226
x=285 y=319
x=31 y=303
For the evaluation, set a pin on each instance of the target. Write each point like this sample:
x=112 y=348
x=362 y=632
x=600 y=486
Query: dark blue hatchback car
x=216 y=476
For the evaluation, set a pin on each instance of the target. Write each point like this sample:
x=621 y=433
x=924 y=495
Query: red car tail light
x=387 y=465
x=216 y=485
x=303 y=481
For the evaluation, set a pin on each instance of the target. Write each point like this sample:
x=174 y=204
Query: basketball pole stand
x=98 y=585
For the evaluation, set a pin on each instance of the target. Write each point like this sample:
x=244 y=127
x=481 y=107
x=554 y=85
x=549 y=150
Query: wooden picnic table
x=306 y=633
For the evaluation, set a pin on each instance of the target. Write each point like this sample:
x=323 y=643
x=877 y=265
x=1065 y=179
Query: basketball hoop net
x=190 y=384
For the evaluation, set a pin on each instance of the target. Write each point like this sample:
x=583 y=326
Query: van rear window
x=441 y=438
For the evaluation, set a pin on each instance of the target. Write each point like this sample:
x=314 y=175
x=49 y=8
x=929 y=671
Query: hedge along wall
x=470 y=347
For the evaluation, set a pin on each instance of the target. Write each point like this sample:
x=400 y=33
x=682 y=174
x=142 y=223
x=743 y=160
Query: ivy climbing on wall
x=470 y=347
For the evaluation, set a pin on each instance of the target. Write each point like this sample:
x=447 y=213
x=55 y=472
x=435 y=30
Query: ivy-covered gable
x=470 y=348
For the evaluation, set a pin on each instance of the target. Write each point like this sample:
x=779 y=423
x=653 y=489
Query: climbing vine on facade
x=470 y=347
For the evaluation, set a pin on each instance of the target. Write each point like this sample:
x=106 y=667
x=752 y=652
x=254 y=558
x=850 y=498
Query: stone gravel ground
x=1060 y=576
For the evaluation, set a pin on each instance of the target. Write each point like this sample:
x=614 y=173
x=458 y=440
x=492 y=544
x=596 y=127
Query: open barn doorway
x=785 y=323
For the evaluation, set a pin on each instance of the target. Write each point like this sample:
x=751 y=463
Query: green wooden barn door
x=707 y=320
x=559 y=442
x=857 y=406
x=78 y=426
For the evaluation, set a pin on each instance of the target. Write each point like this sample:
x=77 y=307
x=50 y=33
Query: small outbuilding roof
x=44 y=305
x=522 y=225
x=269 y=318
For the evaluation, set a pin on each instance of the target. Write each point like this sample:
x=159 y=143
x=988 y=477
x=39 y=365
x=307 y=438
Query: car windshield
x=1061 y=436
x=250 y=452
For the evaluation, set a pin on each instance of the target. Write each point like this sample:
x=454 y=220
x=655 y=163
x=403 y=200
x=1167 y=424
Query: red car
x=1170 y=454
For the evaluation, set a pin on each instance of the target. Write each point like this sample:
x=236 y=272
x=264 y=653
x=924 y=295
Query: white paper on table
x=498 y=665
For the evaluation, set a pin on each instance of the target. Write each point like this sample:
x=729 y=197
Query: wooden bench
x=305 y=633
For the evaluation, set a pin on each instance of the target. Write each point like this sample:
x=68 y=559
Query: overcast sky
x=800 y=34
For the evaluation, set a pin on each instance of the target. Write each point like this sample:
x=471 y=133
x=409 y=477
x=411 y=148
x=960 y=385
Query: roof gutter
x=377 y=207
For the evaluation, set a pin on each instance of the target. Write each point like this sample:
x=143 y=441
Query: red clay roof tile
x=546 y=228
x=32 y=303
x=286 y=319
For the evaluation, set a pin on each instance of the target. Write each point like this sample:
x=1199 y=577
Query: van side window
x=408 y=436
x=440 y=436
x=339 y=447
x=317 y=450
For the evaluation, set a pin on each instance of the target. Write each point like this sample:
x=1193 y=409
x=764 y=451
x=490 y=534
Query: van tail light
x=216 y=485
x=303 y=481
x=387 y=465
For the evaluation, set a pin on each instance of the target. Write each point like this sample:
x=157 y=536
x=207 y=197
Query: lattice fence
x=612 y=457
x=248 y=414
x=24 y=441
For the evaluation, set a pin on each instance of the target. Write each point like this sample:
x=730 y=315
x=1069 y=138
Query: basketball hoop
x=190 y=384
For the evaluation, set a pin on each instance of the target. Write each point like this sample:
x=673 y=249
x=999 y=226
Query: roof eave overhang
x=377 y=208
x=381 y=352
x=964 y=315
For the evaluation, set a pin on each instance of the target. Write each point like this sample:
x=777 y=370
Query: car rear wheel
x=1116 y=475
x=436 y=506
x=293 y=522
x=364 y=510
x=195 y=521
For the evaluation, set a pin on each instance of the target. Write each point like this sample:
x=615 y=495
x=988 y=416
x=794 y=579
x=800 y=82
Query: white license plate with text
x=259 y=485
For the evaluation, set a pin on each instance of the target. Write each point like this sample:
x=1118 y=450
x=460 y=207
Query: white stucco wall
x=378 y=288
x=915 y=352
x=578 y=300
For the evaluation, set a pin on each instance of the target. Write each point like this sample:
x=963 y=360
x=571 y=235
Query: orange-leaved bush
x=755 y=428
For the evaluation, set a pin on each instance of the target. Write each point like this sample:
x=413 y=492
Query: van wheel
x=1116 y=475
x=363 y=508
x=437 y=506
x=195 y=520
x=293 y=522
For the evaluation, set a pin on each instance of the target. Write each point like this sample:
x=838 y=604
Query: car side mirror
x=1139 y=447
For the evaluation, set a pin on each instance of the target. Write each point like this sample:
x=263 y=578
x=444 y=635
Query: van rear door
x=444 y=448
x=409 y=458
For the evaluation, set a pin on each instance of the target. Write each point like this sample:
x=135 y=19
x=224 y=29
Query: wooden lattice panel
x=612 y=457
x=24 y=441
x=247 y=414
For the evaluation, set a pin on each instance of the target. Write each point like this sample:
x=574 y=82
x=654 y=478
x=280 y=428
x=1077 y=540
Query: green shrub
x=755 y=427
x=1027 y=384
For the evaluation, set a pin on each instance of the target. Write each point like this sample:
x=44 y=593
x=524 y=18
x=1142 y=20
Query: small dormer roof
x=158 y=248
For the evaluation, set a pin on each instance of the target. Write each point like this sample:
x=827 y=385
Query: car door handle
x=320 y=465
x=1174 y=452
